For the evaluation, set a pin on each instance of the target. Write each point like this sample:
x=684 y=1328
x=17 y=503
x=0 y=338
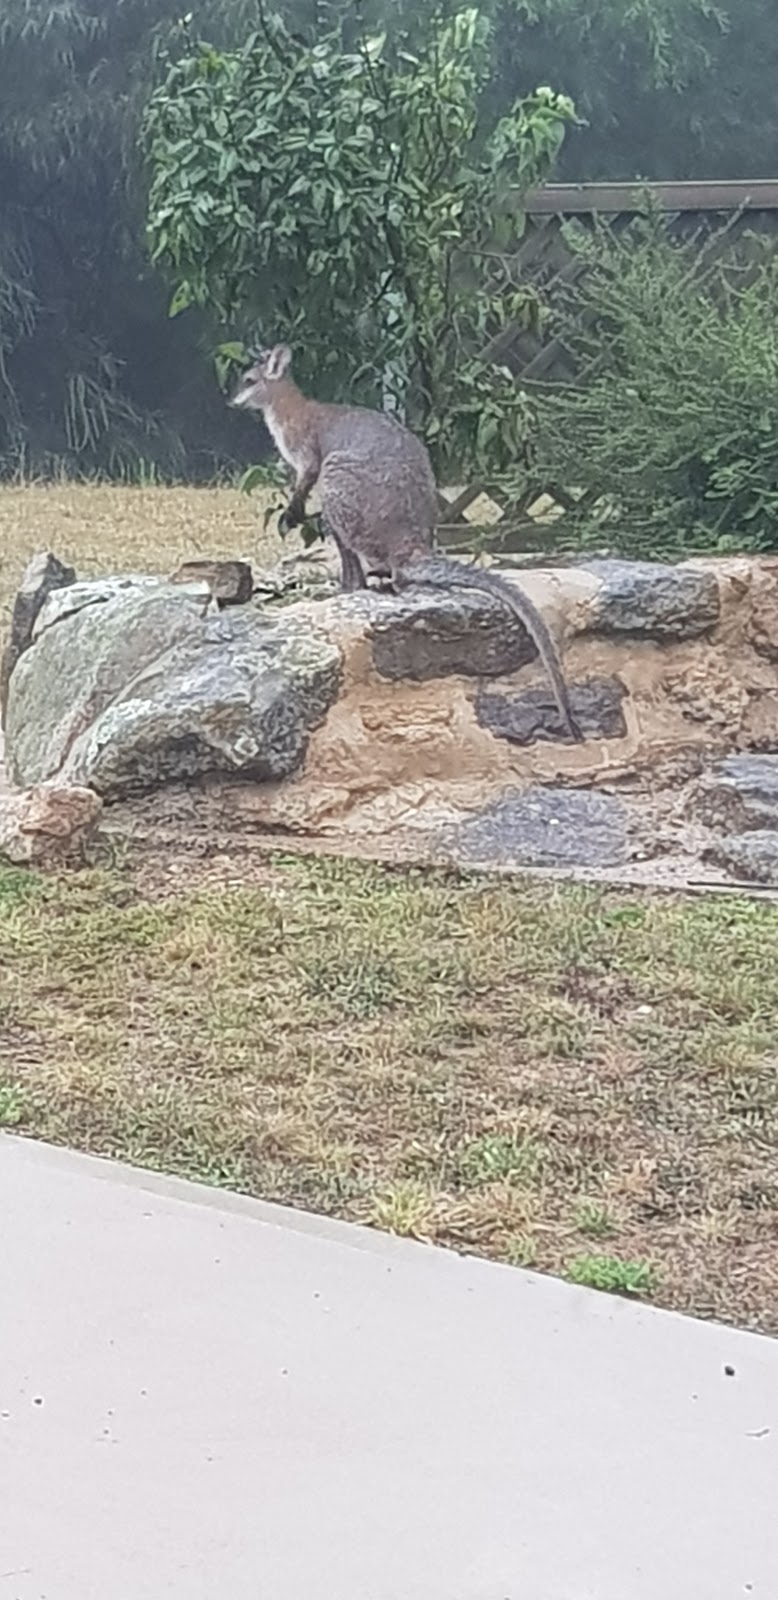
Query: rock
x=759 y=723
x=747 y=855
x=652 y=600
x=296 y=578
x=43 y=574
x=533 y=714
x=230 y=582
x=48 y=826
x=740 y=793
x=420 y=635
x=762 y=626
x=154 y=692
x=707 y=692
x=544 y=828
x=100 y=591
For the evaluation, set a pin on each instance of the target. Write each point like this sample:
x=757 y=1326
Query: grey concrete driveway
x=212 y=1399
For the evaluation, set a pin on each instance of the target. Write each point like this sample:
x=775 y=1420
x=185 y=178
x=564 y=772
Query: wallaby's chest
x=288 y=445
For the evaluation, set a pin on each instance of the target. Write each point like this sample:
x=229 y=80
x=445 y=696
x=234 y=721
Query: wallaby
x=378 y=498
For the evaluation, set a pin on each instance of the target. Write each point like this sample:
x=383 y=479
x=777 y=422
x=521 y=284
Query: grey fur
x=378 y=497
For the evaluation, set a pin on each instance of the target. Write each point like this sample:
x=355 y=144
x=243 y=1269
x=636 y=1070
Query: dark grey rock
x=420 y=634
x=739 y=793
x=748 y=855
x=145 y=689
x=43 y=574
x=533 y=714
x=544 y=828
x=652 y=600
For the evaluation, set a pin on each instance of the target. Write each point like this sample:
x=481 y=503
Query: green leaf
x=253 y=478
x=181 y=300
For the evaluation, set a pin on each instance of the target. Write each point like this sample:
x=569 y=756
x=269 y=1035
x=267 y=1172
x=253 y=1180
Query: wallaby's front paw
x=290 y=518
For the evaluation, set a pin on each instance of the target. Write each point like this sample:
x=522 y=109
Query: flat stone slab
x=739 y=793
x=753 y=856
x=205 y=1396
x=544 y=827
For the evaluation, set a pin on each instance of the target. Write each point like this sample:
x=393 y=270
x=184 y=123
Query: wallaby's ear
x=277 y=361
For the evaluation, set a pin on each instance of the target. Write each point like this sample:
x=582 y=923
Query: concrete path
x=212 y=1399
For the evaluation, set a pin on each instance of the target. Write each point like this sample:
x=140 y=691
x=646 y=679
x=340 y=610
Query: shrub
x=670 y=426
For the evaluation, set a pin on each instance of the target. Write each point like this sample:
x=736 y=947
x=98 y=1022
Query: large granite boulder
x=151 y=684
x=43 y=575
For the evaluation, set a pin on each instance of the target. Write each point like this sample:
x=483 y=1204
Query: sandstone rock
x=230 y=582
x=143 y=690
x=740 y=793
x=762 y=626
x=48 y=826
x=747 y=855
x=533 y=714
x=707 y=691
x=759 y=723
x=43 y=574
x=652 y=600
x=544 y=828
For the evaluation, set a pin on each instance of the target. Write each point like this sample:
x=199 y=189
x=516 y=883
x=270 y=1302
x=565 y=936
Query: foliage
x=671 y=426
x=93 y=378
x=668 y=88
x=611 y=1275
x=342 y=199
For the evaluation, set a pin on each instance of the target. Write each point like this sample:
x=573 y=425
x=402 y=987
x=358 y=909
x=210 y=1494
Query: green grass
x=612 y=1275
x=519 y=1070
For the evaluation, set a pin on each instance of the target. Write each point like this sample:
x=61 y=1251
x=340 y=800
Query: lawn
x=565 y=1078
x=108 y=528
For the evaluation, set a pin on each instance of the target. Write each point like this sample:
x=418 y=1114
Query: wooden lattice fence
x=544 y=259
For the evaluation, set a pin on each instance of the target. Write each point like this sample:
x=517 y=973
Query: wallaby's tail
x=441 y=572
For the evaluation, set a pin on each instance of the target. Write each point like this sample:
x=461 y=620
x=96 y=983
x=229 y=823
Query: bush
x=669 y=430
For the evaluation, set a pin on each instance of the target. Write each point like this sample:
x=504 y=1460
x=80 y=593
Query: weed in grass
x=521 y=1251
x=18 y=886
x=612 y=1275
x=404 y=1208
x=498 y=1155
x=594 y=1220
x=12 y=1106
x=361 y=989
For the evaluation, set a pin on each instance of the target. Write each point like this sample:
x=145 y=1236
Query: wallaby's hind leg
x=352 y=576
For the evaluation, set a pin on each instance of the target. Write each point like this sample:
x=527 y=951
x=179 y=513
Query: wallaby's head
x=258 y=385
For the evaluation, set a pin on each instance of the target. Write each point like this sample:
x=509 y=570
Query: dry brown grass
x=106 y=528
x=563 y=1077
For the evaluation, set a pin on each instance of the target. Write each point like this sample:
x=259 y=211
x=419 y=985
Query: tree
x=92 y=374
x=668 y=88
x=347 y=200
